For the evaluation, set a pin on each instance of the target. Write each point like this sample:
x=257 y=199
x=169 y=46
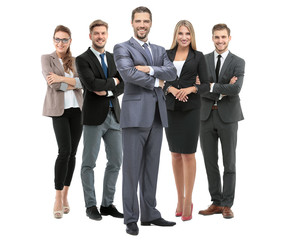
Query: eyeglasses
x=64 y=40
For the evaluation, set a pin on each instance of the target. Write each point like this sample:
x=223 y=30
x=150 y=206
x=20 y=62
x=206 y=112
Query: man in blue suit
x=144 y=67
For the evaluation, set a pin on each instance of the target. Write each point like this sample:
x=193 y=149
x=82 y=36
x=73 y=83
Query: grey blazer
x=54 y=99
x=229 y=107
x=140 y=96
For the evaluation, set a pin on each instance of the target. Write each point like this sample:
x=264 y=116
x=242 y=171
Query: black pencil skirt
x=183 y=131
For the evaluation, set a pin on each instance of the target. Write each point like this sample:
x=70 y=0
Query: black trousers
x=68 y=131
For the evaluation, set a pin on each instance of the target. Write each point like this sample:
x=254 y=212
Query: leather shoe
x=227 y=213
x=110 y=210
x=132 y=228
x=93 y=213
x=159 y=222
x=212 y=209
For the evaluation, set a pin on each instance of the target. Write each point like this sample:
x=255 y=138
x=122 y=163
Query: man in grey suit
x=144 y=67
x=220 y=113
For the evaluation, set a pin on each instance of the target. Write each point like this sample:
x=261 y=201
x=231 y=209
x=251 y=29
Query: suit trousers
x=110 y=132
x=68 y=131
x=210 y=131
x=141 y=154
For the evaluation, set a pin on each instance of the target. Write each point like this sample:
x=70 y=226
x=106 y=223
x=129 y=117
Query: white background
x=28 y=145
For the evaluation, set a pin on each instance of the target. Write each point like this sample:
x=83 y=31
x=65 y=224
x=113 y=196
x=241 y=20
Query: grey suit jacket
x=229 y=107
x=54 y=99
x=140 y=95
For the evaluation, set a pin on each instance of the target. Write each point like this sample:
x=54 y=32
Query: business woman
x=183 y=108
x=63 y=102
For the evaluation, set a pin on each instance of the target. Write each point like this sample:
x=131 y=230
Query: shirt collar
x=141 y=42
x=223 y=55
x=97 y=54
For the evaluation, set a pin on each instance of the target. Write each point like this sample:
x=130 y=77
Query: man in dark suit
x=102 y=85
x=143 y=67
x=220 y=113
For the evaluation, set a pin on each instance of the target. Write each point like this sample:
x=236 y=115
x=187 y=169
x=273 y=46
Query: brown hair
x=141 y=10
x=98 y=23
x=219 y=27
x=67 y=58
x=189 y=25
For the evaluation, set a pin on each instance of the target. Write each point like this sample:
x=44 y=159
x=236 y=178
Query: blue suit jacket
x=140 y=95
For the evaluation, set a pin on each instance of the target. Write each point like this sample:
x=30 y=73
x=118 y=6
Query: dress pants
x=141 y=154
x=110 y=132
x=68 y=131
x=212 y=130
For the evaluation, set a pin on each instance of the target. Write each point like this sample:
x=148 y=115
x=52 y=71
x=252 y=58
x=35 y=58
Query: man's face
x=141 y=25
x=99 y=36
x=221 y=40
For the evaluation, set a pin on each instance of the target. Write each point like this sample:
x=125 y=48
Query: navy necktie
x=104 y=66
x=145 y=45
x=105 y=69
x=217 y=67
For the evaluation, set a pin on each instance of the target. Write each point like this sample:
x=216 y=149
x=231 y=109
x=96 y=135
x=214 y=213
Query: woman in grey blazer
x=63 y=102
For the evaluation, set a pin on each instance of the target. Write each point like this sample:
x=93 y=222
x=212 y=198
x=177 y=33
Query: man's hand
x=101 y=93
x=233 y=80
x=161 y=83
x=117 y=81
x=198 y=80
x=144 y=69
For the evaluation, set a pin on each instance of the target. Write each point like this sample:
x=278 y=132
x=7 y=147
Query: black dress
x=184 y=117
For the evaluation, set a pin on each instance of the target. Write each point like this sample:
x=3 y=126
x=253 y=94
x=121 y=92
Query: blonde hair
x=189 y=26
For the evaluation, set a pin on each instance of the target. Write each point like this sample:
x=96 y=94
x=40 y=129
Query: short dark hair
x=219 y=27
x=141 y=10
x=97 y=23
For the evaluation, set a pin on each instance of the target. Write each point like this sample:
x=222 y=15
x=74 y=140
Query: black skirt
x=183 y=131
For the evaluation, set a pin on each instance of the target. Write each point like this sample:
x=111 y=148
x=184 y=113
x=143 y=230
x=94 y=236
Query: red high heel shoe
x=178 y=214
x=183 y=218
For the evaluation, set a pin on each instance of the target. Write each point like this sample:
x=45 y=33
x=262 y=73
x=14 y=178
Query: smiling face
x=221 y=40
x=61 y=47
x=141 y=25
x=183 y=37
x=99 y=36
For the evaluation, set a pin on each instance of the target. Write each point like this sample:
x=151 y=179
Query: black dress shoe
x=110 y=210
x=93 y=213
x=132 y=228
x=159 y=222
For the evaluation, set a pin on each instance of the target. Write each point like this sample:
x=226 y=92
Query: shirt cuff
x=115 y=81
x=157 y=82
x=77 y=83
x=64 y=86
x=151 y=71
x=212 y=85
x=110 y=94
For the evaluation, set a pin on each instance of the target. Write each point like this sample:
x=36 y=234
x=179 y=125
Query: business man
x=143 y=67
x=220 y=113
x=100 y=117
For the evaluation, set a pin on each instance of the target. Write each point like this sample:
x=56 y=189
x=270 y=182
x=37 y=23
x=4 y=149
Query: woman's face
x=183 y=37
x=62 y=42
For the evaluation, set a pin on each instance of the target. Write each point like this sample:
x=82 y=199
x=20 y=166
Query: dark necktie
x=105 y=69
x=104 y=66
x=145 y=45
x=217 y=67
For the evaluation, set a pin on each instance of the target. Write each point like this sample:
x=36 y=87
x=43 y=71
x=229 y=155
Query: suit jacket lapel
x=57 y=63
x=95 y=63
x=225 y=65
x=138 y=47
x=111 y=64
x=210 y=60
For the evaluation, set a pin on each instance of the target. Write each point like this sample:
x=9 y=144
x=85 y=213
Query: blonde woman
x=183 y=108
x=63 y=102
